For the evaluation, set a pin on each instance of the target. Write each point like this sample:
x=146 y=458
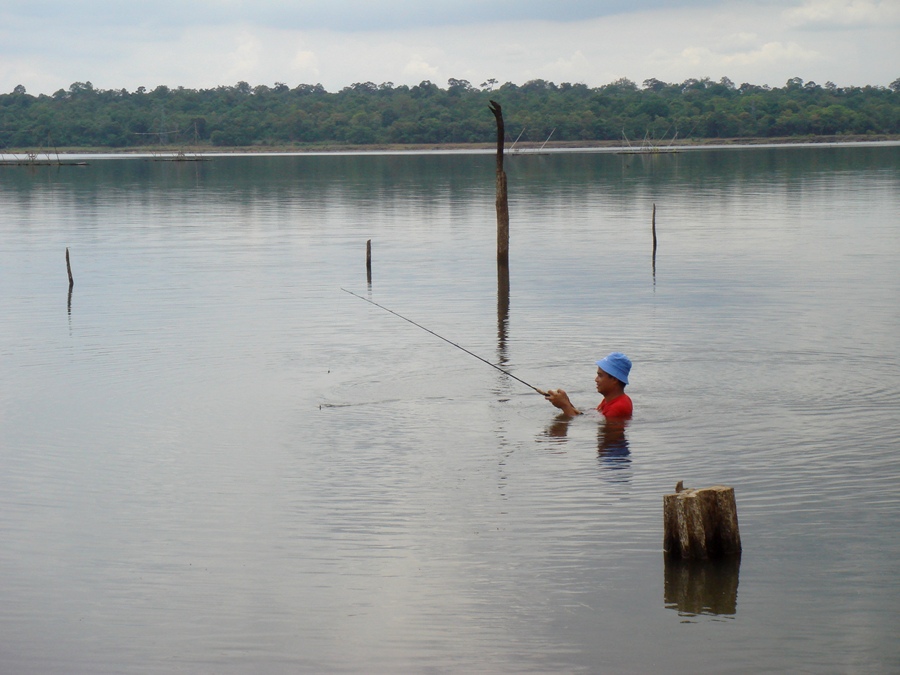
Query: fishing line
x=427 y=330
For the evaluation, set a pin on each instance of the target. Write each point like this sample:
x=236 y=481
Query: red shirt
x=620 y=406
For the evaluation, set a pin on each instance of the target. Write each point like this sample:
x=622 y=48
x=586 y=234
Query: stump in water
x=701 y=524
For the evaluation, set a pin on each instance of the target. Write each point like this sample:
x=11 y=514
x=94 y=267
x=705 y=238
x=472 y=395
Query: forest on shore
x=362 y=114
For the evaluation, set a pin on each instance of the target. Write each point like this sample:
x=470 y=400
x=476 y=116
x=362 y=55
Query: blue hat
x=616 y=364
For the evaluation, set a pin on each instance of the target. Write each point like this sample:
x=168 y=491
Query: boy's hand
x=560 y=399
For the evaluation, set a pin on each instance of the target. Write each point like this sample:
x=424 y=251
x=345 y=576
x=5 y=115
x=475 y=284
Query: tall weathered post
x=502 y=203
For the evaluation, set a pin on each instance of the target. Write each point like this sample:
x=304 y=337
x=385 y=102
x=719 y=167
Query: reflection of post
x=702 y=586
x=502 y=311
x=654 y=243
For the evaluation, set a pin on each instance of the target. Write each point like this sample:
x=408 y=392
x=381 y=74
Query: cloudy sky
x=47 y=45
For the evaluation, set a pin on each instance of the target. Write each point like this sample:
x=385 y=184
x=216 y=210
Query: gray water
x=214 y=460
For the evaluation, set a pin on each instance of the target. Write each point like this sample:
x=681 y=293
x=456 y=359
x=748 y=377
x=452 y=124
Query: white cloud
x=766 y=54
x=745 y=40
x=419 y=68
x=335 y=15
x=848 y=13
x=245 y=58
x=772 y=53
x=569 y=69
x=738 y=41
x=306 y=64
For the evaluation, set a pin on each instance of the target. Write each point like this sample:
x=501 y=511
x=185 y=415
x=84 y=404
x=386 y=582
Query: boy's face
x=606 y=383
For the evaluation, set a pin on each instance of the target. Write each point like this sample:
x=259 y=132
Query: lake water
x=214 y=460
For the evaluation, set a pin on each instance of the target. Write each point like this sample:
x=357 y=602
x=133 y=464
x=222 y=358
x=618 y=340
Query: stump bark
x=701 y=524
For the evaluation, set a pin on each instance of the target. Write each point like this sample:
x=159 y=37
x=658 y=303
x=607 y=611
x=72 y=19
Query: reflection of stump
x=701 y=524
x=702 y=586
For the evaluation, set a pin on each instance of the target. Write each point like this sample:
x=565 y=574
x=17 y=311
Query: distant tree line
x=366 y=113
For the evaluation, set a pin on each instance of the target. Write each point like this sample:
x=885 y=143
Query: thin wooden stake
x=369 y=261
x=502 y=200
x=69 y=269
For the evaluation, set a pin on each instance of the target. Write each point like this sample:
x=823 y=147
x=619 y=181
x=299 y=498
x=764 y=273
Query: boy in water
x=612 y=376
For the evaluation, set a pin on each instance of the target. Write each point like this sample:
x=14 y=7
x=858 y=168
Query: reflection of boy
x=612 y=376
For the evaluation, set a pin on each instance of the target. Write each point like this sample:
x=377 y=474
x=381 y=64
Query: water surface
x=214 y=460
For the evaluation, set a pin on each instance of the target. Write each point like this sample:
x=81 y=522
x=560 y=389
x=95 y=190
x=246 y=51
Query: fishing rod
x=427 y=330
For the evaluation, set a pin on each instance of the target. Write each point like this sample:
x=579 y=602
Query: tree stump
x=701 y=524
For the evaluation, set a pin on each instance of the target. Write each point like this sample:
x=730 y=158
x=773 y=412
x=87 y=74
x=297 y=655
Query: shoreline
x=43 y=155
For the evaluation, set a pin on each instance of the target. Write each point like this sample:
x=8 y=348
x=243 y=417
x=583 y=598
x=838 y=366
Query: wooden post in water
x=701 y=524
x=502 y=202
x=369 y=261
x=69 y=269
